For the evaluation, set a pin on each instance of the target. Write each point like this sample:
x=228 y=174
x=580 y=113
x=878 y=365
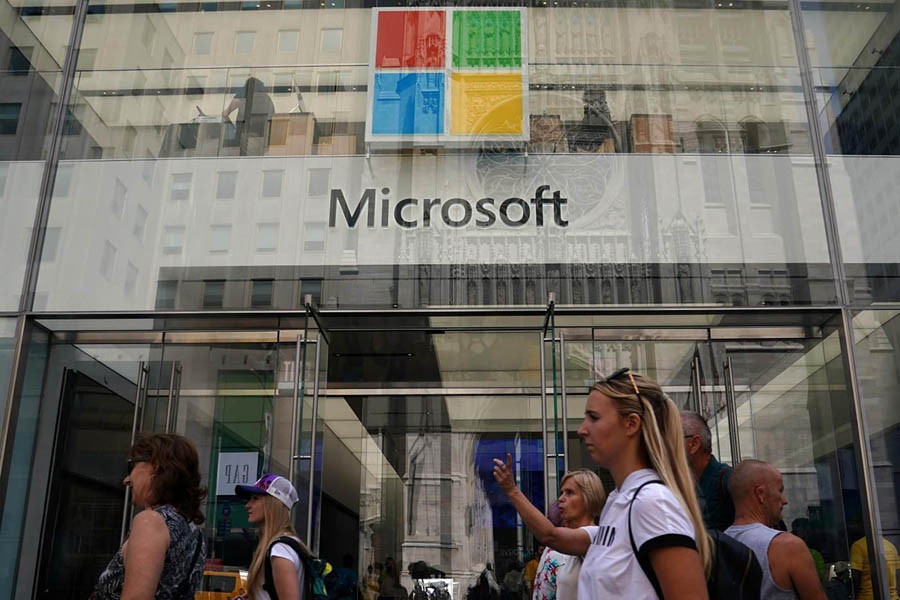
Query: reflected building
x=415 y=240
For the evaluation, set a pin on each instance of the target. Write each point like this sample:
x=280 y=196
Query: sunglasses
x=624 y=371
x=135 y=460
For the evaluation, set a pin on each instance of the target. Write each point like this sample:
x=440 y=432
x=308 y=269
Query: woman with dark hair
x=164 y=554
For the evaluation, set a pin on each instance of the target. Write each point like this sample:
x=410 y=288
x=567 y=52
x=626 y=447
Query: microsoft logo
x=447 y=75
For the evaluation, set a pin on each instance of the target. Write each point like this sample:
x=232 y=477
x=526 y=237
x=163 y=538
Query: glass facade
x=319 y=238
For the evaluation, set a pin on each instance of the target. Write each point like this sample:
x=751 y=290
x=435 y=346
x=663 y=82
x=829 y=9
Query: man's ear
x=759 y=492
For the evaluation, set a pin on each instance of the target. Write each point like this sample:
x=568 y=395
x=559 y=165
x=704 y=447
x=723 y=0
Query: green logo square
x=487 y=38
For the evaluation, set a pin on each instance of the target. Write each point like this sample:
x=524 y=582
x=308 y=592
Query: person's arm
x=285 y=575
x=800 y=566
x=235 y=103
x=680 y=573
x=575 y=542
x=144 y=555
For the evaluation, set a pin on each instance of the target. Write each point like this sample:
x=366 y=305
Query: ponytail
x=663 y=440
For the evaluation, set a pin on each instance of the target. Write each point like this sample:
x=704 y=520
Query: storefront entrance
x=387 y=425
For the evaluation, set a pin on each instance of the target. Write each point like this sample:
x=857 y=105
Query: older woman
x=164 y=554
x=580 y=501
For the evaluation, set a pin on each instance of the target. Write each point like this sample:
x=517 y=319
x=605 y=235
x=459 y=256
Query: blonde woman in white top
x=634 y=430
x=580 y=501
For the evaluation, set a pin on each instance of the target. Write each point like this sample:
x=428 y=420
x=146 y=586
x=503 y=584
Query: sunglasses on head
x=135 y=460
x=624 y=371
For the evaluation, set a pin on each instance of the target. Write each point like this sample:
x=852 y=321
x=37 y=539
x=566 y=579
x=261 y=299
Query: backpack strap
x=269 y=580
x=643 y=561
x=725 y=500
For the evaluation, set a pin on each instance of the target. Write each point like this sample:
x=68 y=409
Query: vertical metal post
x=544 y=421
x=140 y=397
x=565 y=420
x=696 y=389
x=731 y=409
x=314 y=543
x=295 y=409
x=172 y=399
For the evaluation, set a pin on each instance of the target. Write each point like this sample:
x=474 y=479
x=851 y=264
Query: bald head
x=758 y=491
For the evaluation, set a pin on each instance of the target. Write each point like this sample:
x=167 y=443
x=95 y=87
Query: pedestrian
x=269 y=502
x=787 y=566
x=651 y=542
x=164 y=554
x=580 y=501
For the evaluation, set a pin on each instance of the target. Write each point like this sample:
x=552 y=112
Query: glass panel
x=793 y=411
x=877 y=336
x=13 y=542
x=409 y=477
x=856 y=35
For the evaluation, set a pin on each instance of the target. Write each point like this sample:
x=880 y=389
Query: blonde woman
x=580 y=501
x=634 y=430
x=269 y=502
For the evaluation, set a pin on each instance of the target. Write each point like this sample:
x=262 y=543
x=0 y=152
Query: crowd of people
x=658 y=534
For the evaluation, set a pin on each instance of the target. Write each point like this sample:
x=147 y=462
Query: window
x=9 y=117
x=213 y=294
x=243 y=42
x=225 y=184
x=148 y=35
x=131 y=277
x=87 y=58
x=272 y=184
x=173 y=239
x=314 y=237
x=166 y=291
x=71 y=124
x=63 y=181
x=318 y=182
x=311 y=287
x=108 y=260
x=220 y=238
x=331 y=39
x=203 y=43
x=181 y=187
x=288 y=40
x=261 y=293
x=120 y=194
x=140 y=222
x=51 y=244
x=266 y=237
x=19 y=60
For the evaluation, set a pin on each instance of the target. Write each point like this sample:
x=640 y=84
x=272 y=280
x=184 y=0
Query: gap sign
x=448 y=75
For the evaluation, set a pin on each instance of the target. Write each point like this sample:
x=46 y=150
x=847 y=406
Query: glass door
x=311 y=352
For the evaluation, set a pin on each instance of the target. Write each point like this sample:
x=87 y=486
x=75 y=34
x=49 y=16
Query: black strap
x=269 y=580
x=643 y=560
x=185 y=584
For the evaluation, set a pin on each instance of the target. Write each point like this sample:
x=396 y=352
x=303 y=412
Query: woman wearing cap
x=634 y=430
x=164 y=554
x=269 y=503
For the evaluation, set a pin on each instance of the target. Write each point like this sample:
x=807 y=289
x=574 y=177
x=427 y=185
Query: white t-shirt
x=557 y=575
x=281 y=550
x=611 y=569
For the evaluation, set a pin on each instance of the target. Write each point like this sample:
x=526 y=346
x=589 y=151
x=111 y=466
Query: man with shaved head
x=787 y=565
x=710 y=475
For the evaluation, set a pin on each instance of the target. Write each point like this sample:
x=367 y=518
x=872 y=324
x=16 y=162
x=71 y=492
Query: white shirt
x=557 y=575
x=611 y=569
x=281 y=550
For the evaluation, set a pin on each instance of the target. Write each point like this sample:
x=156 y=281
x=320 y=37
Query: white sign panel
x=236 y=468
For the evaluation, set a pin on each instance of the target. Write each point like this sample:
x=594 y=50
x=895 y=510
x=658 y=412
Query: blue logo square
x=408 y=103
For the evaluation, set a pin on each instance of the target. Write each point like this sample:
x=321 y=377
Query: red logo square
x=410 y=39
